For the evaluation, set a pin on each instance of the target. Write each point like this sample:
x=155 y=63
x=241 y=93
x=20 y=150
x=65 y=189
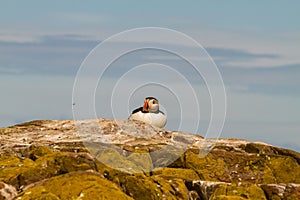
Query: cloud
x=280 y=80
x=228 y=53
x=63 y=54
x=55 y=54
x=262 y=79
x=239 y=58
x=17 y=38
x=225 y=54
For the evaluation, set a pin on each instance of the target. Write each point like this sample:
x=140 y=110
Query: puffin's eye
x=154 y=102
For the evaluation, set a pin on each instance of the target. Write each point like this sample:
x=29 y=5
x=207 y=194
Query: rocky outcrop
x=106 y=159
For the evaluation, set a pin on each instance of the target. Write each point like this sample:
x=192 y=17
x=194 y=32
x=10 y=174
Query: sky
x=255 y=46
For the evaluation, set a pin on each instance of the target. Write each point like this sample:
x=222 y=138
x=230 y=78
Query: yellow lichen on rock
x=207 y=168
x=171 y=173
x=285 y=169
x=251 y=192
x=76 y=185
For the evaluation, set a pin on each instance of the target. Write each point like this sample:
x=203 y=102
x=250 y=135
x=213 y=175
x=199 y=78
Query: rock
x=232 y=191
x=7 y=191
x=282 y=191
x=99 y=158
x=204 y=189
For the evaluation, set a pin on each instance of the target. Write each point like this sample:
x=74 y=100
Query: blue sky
x=255 y=45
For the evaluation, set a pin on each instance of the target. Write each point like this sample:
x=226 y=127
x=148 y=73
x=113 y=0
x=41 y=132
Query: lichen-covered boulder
x=107 y=159
x=86 y=185
x=41 y=163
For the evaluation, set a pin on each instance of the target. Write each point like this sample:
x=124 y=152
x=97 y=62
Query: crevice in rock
x=266 y=193
x=191 y=186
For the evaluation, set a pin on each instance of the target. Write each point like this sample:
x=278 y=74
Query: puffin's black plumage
x=151 y=98
x=138 y=110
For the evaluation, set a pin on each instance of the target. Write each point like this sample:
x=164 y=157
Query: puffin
x=150 y=113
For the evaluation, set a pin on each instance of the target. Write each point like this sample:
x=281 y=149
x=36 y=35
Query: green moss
x=53 y=164
x=251 y=192
x=255 y=192
x=141 y=187
x=171 y=189
x=37 y=193
x=225 y=197
x=44 y=167
x=178 y=185
x=293 y=197
x=44 y=163
x=9 y=161
x=134 y=163
x=39 y=151
x=70 y=162
x=171 y=173
x=12 y=167
x=77 y=185
x=277 y=197
x=208 y=168
x=284 y=169
x=268 y=176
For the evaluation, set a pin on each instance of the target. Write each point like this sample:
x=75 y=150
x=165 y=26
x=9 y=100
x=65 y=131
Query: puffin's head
x=151 y=105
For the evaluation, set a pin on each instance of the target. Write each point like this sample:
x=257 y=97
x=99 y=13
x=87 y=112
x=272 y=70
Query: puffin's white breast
x=155 y=119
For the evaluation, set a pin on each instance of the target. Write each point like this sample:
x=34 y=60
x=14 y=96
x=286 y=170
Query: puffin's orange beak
x=145 y=107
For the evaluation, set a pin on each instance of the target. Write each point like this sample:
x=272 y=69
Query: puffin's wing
x=137 y=110
x=162 y=112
